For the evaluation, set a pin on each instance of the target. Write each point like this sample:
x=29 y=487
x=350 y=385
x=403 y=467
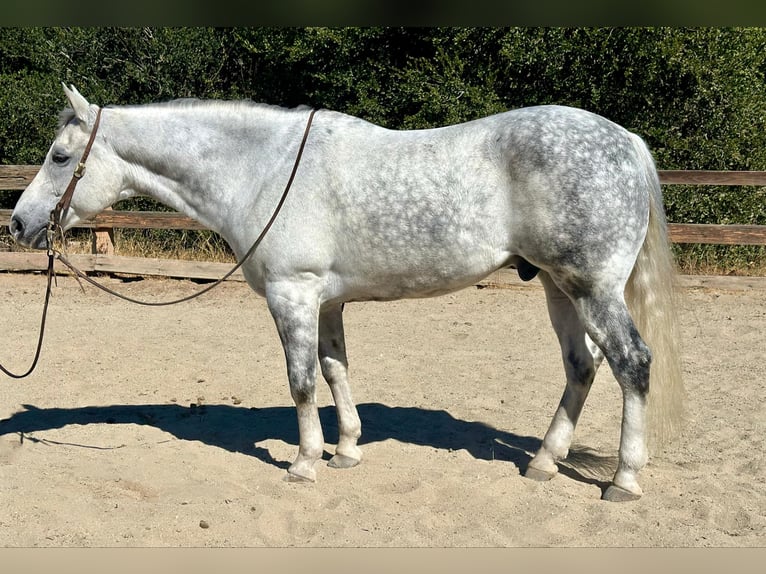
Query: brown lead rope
x=42 y=325
x=63 y=205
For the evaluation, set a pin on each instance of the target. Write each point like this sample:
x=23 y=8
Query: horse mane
x=67 y=114
x=214 y=103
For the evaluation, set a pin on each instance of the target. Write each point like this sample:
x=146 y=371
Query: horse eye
x=60 y=158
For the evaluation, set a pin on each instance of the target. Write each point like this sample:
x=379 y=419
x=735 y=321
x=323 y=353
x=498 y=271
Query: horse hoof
x=616 y=494
x=299 y=478
x=539 y=474
x=342 y=461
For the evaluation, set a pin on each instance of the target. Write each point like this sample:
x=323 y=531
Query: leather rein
x=54 y=227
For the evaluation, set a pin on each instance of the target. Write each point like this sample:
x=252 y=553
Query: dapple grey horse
x=380 y=214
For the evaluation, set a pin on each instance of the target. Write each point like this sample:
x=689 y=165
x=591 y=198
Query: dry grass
x=186 y=245
x=191 y=246
x=744 y=260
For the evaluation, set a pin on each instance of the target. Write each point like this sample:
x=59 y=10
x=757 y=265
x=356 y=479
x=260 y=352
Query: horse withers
x=380 y=214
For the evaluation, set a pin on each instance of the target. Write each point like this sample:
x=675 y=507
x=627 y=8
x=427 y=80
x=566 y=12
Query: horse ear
x=79 y=104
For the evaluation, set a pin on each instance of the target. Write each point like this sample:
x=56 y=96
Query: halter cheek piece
x=62 y=206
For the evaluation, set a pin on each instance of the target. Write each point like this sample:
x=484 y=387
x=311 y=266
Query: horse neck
x=209 y=162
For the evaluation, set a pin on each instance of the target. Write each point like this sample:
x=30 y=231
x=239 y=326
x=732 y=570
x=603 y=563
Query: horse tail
x=651 y=296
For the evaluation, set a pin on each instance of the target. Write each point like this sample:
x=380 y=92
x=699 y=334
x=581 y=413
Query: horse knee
x=302 y=381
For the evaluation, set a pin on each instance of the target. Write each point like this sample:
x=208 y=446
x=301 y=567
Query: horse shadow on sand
x=241 y=429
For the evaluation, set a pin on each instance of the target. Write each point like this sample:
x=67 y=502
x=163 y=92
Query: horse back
x=423 y=212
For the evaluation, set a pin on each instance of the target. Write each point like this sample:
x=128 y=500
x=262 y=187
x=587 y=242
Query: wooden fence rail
x=17 y=177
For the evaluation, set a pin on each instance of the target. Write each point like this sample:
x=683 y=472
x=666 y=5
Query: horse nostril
x=16 y=227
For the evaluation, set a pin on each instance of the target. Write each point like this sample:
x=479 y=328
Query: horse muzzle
x=27 y=235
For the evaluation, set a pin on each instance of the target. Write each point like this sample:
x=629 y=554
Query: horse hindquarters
x=600 y=310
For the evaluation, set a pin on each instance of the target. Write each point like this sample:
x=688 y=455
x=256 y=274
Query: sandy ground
x=174 y=427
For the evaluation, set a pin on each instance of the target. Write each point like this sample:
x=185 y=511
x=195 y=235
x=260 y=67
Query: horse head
x=98 y=186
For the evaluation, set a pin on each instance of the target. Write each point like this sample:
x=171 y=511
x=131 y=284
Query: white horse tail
x=651 y=297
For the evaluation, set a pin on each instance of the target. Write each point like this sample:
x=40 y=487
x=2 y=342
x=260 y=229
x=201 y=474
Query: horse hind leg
x=610 y=326
x=334 y=365
x=581 y=361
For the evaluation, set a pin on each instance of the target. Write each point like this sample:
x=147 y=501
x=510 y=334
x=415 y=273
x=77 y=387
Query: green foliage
x=696 y=95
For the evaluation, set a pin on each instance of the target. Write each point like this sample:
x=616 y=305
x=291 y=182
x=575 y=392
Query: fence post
x=103 y=240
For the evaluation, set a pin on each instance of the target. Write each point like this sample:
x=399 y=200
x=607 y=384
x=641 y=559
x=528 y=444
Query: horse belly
x=415 y=271
x=422 y=245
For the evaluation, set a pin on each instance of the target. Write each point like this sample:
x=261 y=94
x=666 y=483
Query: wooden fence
x=17 y=177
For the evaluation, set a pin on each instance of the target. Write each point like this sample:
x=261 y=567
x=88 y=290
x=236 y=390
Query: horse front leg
x=334 y=364
x=296 y=317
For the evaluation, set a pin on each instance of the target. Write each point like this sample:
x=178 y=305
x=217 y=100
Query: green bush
x=696 y=95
